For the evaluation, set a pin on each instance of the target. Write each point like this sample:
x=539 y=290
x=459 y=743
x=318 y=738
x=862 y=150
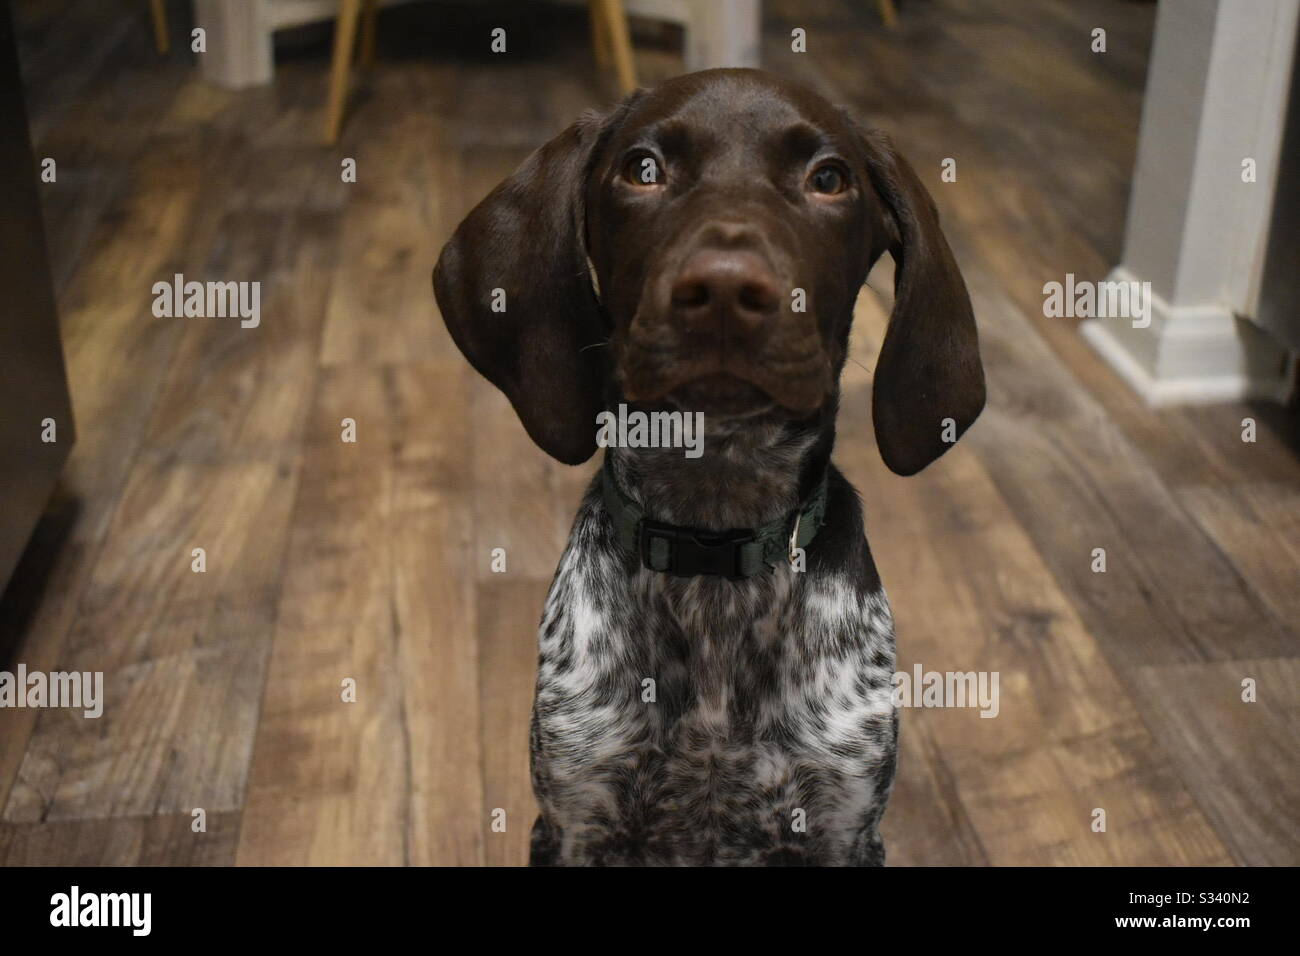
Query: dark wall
x=33 y=384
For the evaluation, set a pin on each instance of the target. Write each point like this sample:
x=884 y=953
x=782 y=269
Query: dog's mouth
x=732 y=389
x=722 y=396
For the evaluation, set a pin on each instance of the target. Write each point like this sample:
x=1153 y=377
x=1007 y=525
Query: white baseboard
x=1190 y=355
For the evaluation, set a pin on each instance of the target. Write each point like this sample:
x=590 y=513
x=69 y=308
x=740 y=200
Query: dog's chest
x=711 y=721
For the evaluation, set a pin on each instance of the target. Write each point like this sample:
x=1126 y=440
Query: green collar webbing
x=687 y=552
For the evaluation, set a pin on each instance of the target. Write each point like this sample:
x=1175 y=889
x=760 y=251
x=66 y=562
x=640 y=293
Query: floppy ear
x=929 y=367
x=513 y=288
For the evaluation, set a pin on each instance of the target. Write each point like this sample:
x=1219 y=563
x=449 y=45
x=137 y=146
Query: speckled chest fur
x=710 y=721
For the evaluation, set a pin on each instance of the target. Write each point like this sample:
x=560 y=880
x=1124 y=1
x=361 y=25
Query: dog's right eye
x=643 y=170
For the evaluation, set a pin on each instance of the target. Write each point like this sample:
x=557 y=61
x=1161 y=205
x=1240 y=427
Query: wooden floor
x=329 y=561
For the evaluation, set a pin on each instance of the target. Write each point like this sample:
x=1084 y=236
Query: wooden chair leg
x=614 y=18
x=160 y=39
x=888 y=13
x=345 y=37
x=599 y=42
x=368 y=13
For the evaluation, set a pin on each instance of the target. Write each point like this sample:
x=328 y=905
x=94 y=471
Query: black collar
x=687 y=552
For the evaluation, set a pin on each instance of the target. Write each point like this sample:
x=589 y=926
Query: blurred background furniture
x=158 y=12
x=240 y=32
x=612 y=41
x=609 y=33
x=345 y=33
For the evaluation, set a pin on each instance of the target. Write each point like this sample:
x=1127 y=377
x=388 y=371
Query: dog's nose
x=727 y=289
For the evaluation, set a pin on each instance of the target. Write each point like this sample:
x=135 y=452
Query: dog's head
x=701 y=245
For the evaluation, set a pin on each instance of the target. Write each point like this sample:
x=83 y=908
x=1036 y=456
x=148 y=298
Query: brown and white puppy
x=658 y=255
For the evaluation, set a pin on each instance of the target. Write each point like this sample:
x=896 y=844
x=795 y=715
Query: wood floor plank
x=514 y=504
x=36 y=614
x=440 y=667
x=376 y=592
x=381 y=309
x=1079 y=484
x=180 y=702
x=926 y=823
x=328 y=782
x=1239 y=758
x=181 y=692
x=510 y=607
x=237 y=512
x=118 y=353
x=436 y=613
x=164 y=840
x=235 y=392
x=1258 y=527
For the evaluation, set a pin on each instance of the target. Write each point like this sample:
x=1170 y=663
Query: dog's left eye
x=642 y=169
x=828 y=179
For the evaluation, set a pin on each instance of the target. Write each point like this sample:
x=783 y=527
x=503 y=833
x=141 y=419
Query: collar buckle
x=684 y=552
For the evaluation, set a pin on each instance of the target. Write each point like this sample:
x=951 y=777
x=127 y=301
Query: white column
x=1216 y=98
